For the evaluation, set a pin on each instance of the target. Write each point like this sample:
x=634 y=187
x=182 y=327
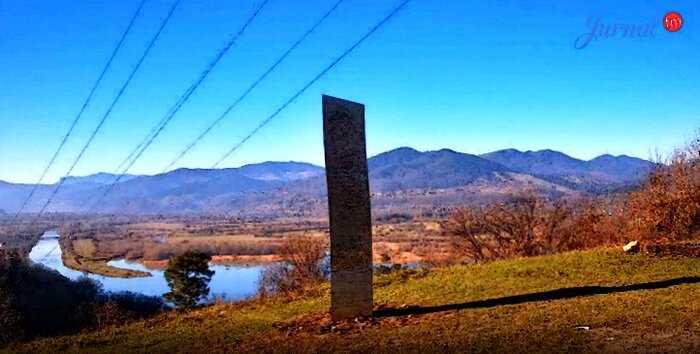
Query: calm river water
x=230 y=283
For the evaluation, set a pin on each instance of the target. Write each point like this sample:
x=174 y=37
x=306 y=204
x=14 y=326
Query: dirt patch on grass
x=322 y=323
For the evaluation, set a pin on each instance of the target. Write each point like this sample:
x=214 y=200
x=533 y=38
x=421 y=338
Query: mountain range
x=402 y=179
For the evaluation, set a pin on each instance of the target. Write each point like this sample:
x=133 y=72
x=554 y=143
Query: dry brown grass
x=84 y=247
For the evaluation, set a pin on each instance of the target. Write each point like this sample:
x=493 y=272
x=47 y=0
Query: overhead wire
x=149 y=135
x=83 y=107
x=301 y=91
x=160 y=126
x=255 y=83
x=120 y=93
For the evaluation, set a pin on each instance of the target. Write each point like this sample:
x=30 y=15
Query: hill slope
x=626 y=303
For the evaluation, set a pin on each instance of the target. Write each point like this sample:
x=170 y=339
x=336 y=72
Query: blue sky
x=473 y=76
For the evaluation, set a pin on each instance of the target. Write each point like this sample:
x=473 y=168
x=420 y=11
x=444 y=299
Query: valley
x=88 y=245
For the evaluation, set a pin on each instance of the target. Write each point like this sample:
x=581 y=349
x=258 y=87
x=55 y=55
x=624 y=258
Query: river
x=229 y=283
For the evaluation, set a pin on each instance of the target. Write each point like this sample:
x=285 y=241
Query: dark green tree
x=188 y=276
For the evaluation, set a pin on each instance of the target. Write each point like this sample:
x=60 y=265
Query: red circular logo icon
x=673 y=21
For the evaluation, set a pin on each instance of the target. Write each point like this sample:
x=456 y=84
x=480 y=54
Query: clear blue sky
x=473 y=76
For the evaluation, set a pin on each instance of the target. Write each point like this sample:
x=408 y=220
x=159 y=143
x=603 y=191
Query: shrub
x=528 y=225
x=597 y=222
x=667 y=206
x=304 y=254
x=523 y=225
x=117 y=308
x=302 y=266
x=10 y=318
x=471 y=237
x=35 y=301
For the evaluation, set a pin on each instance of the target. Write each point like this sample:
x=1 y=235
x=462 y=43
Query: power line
x=185 y=96
x=313 y=81
x=86 y=103
x=183 y=99
x=262 y=77
x=126 y=83
x=148 y=136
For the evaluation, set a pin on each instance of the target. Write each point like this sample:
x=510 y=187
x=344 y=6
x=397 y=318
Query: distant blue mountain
x=97 y=178
x=602 y=172
x=406 y=168
x=281 y=171
x=296 y=186
x=623 y=168
x=543 y=162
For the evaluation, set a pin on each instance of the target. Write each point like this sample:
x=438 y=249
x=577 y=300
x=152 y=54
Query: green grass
x=661 y=320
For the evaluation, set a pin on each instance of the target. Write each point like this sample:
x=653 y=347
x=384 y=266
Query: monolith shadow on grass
x=558 y=294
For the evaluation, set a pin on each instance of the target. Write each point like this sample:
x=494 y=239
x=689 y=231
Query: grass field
x=592 y=301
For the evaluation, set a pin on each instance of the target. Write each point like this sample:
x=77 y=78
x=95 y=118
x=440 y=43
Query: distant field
x=592 y=301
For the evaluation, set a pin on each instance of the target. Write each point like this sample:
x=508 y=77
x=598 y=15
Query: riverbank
x=79 y=255
x=593 y=301
x=229 y=283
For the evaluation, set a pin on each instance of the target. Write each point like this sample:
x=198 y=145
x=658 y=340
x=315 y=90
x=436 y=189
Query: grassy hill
x=624 y=303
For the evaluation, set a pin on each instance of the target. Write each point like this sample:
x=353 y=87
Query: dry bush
x=513 y=223
x=598 y=222
x=304 y=254
x=667 y=206
x=524 y=225
x=383 y=251
x=528 y=225
x=471 y=237
x=301 y=269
